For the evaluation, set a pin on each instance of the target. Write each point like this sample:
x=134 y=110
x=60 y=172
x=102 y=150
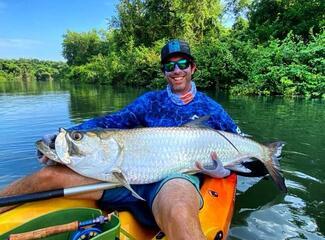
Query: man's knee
x=177 y=195
x=176 y=210
x=180 y=189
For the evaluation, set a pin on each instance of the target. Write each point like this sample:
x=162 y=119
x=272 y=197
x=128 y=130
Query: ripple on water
x=295 y=185
x=281 y=221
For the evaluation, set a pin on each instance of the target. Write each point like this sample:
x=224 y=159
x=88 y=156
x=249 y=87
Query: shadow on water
x=29 y=110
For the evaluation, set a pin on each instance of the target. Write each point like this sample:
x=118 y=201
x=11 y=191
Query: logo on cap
x=174 y=46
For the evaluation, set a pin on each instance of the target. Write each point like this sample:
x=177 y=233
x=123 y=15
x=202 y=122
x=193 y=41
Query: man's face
x=180 y=79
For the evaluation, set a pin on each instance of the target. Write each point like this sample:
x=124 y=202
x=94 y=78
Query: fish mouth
x=47 y=151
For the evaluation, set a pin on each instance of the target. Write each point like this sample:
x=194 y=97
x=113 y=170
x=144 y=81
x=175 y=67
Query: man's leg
x=176 y=210
x=48 y=178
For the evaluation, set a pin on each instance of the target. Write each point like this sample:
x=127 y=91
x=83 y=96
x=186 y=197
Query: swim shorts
x=122 y=199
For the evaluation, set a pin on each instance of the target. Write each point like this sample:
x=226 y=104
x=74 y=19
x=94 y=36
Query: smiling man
x=178 y=66
x=174 y=202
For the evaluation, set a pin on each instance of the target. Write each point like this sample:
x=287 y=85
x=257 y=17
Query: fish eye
x=77 y=136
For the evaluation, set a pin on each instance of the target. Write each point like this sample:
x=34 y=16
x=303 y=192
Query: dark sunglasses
x=181 y=64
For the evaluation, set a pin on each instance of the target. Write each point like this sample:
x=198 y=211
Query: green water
x=29 y=110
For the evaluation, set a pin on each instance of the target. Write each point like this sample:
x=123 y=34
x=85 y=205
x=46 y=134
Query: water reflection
x=28 y=110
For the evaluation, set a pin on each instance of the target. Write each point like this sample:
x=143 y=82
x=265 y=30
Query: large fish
x=146 y=155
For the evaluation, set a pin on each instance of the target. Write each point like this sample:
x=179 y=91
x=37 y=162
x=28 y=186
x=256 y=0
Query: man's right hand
x=49 y=140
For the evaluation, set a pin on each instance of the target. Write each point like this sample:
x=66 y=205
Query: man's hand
x=48 y=139
x=217 y=171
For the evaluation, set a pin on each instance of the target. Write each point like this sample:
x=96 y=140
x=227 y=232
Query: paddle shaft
x=30 y=197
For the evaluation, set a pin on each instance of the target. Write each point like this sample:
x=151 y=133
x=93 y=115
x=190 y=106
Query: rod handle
x=44 y=232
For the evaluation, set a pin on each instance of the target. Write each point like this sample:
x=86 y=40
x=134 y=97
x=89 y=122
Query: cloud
x=21 y=43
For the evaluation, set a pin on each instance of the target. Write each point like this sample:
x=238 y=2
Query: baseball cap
x=174 y=47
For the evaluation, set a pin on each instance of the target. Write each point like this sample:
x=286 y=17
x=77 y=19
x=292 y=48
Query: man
x=178 y=104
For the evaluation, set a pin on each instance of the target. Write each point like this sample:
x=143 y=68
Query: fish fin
x=256 y=167
x=197 y=123
x=273 y=166
x=243 y=158
x=238 y=165
x=238 y=168
x=118 y=174
x=222 y=135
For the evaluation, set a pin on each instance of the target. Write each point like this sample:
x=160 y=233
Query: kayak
x=215 y=216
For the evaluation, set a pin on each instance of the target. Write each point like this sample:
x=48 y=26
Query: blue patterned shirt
x=156 y=109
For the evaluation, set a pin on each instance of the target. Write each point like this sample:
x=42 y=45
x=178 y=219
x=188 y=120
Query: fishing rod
x=61 y=192
x=68 y=227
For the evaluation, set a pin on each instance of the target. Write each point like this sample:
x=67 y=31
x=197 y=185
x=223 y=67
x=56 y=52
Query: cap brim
x=175 y=54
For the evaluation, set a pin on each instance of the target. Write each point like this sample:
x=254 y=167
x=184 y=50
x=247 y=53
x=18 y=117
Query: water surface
x=30 y=110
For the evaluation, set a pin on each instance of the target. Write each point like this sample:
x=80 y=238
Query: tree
x=145 y=22
x=275 y=19
x=79 y=48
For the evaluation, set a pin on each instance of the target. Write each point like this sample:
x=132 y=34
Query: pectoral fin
x=118 y=174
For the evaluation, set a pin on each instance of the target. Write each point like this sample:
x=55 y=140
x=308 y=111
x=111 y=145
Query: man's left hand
x=217 y=171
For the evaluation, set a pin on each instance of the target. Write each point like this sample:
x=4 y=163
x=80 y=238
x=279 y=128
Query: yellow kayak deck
x=215 y=216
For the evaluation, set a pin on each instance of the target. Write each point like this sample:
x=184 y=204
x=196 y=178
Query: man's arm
x=130 y=116
x=220 y=119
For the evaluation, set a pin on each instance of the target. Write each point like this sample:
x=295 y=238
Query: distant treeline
x=273 y=47
x=31 y=69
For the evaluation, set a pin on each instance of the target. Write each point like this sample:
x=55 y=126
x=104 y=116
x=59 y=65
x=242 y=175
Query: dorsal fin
x=227 y=140
x=197 y=123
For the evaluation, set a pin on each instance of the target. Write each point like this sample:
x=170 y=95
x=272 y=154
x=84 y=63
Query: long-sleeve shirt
x=156 y=109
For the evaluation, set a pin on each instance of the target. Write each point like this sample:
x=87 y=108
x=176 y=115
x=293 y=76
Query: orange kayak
x=215 y=216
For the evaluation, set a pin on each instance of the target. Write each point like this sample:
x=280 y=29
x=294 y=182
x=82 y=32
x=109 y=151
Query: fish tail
x=273 y=166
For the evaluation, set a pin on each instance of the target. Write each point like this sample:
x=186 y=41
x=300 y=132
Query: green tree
x=145 y=22
x=276 y=18
x=79 y=48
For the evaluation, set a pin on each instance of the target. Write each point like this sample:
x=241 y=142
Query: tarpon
x=146 y=155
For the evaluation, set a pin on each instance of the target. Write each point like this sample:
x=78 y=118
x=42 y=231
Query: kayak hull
x=215 y=216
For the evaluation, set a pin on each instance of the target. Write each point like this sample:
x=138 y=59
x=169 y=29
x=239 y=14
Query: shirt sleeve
x=130 y=116
x=220 y=119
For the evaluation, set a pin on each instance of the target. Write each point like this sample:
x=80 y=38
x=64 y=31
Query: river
x=30 y=110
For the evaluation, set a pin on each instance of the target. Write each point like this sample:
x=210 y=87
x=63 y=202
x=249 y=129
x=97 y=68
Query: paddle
x=61 y=192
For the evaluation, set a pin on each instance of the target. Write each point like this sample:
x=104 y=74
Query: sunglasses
x=181 y=64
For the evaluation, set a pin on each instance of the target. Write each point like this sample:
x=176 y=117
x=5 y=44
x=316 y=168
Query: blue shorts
x=122 y=199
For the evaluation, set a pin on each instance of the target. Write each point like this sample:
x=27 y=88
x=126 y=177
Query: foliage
x=273 y=47
x=145 y=22
x=79 y=48
x=287 y=67
x=275 y=19
x=217 y=65
x=31 y=69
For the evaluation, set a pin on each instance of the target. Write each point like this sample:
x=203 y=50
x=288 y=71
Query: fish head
x=75 y=146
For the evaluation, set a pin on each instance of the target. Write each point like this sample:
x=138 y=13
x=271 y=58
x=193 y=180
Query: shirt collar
x=182 y=99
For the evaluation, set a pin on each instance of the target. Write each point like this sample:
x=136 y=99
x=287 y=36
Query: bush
x=288 y=67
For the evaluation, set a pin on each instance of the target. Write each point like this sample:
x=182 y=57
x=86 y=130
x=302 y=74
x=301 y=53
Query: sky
x=35 y=28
